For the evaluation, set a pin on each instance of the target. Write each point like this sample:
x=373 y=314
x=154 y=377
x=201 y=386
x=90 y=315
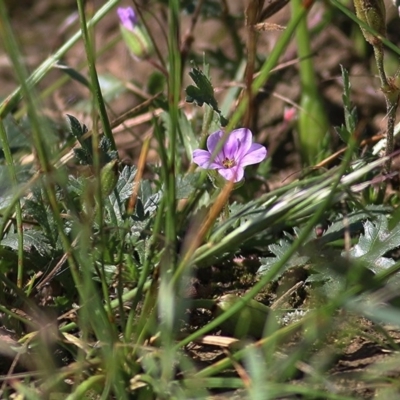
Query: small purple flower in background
x=237 y=152
x=134 y=34
x=128 y=17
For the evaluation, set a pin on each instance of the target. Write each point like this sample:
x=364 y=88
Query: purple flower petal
x=202 y=159
x=236 y=174
x=237 y=152
x=127 y=17
x=213 y=140
x=255 y=155
x=212 y=143
x=237 y=144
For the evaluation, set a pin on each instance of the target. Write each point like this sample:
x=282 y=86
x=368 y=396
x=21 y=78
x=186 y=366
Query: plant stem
x=18 y=210
x=392 y=101
x=253 y=11
x=90 y=55
x=174 y=87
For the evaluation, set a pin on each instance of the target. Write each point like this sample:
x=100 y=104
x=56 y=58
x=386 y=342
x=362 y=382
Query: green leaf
x=148 y=199
x=376 y=241
x=32 y=239
x=6 y=185
x=107 y=152
x=122 y=191
x=186 y=185
x=151 y=204
x=77 y=185
x=84 y=154
x=77 y=129
x=156 y=83
x=350 y=113
x=203 y=92
x=353 y=222
x=19 y=133
x=188 y=137
x=38 y=210
x=125 y=182
x=16 y=136
x=279 y=250
x=73 y=73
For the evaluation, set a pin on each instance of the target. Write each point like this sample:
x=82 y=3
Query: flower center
x=227 y=163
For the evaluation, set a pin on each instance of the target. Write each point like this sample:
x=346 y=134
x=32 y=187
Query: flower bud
x=128 y=18
x=373 y=13
x=109 y=177
x=134 y=34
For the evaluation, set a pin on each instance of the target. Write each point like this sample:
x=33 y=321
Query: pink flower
x=127 y=17
x=289 y=114
x=237 y=152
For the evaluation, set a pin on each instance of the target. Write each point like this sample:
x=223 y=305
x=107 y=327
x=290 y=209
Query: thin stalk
x=167 y=306
x=174 y=87
x=18 y=210
x=146 y=270
x=194 y=242
x=188 y=37
x=94 y=80
x=371 y=16
x=151 y=36
x=233 y=91
x=379 y=58
x=139 y=175
x=253 y=12
x=18 y=317
x=95 y=315
x=88 y=40
x=230 y=25
x=207 y=121
x=392 y=101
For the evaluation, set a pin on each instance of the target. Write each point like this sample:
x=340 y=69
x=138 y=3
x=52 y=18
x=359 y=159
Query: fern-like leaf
x=376 y=241
x=32 y=239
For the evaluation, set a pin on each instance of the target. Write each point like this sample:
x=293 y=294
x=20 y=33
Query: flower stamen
x=228 y=163
x=238 y=151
